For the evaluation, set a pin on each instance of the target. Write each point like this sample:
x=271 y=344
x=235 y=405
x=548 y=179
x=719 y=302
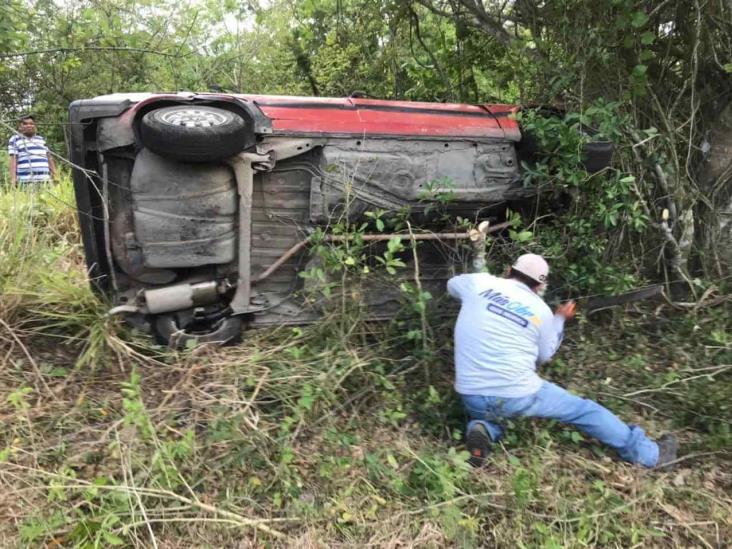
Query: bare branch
x=414 y=18
x=488 y=22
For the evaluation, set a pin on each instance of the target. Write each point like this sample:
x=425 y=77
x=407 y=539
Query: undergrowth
x=341 y=433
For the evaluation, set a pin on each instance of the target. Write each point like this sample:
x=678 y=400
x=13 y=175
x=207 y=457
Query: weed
x=596 y=206
x=332 y=434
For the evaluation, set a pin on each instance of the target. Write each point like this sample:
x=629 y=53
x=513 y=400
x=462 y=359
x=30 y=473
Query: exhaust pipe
x=180 y=296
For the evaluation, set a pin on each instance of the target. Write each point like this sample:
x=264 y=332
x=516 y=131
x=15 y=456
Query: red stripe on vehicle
x=378 y=122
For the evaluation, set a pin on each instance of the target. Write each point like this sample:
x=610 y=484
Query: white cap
x=533 y=266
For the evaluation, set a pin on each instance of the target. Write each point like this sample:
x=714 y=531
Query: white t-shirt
x=502 y=332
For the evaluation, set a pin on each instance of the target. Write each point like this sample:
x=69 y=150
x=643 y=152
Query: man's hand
x=566 y=310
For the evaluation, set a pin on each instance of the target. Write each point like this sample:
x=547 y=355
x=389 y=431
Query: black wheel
x=180 y=331
x=195 y=133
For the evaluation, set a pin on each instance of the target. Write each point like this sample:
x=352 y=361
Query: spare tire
x=195 y=133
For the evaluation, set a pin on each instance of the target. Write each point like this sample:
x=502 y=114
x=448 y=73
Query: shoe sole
x=670 y=457
x=479 y=446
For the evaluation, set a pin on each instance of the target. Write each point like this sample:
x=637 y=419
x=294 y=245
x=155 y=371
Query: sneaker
x=478 y=442
x=668 y=446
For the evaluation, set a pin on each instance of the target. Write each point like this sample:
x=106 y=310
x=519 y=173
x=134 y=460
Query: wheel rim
x=194 y=118
x=178 y=334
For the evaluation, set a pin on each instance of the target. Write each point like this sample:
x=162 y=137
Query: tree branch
x=414 y=19
x=487 y=22
x=88 y=48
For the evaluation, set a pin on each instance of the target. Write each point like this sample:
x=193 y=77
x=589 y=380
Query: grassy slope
x=342 y=433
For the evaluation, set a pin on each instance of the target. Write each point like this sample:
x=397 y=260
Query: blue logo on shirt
x=512 y=310
x=508 y=315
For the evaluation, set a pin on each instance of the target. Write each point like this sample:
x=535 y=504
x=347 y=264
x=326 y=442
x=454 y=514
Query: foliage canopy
x=665 y=68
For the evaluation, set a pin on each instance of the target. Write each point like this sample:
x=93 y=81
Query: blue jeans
x=553 y=402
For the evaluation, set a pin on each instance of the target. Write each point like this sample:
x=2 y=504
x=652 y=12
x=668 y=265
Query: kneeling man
x=504 y=330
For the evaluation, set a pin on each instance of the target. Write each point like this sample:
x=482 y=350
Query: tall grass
x=326 y=435
x=37 y=234
x=43 y=285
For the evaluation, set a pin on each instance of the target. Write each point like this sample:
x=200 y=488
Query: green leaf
x=32 y=531
x=379 y=225
x=639 y=19
x=306 y=399
x=639 y=71
x=346 y=517
x=645 y=55
x=522 y=236
x=113 y=539
x=648 y=38
x=395 y=244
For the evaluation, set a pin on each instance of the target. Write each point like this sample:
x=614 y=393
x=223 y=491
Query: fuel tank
x=184 y=214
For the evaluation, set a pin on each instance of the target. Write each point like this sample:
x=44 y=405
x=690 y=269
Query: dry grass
x=318 y=437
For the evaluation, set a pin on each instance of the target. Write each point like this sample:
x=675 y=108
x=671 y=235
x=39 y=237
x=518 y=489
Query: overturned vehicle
x=197 y=210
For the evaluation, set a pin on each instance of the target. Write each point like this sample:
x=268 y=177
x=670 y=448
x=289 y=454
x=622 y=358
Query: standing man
x=30 y=159
x=504 y=330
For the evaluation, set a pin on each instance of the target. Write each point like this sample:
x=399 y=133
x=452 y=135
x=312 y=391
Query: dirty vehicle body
x=196 y=209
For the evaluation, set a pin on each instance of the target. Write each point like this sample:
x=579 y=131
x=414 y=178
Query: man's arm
x=13 y=169
x=458 y=285
x=551 y=331
x=13 y=164
x=51 y=165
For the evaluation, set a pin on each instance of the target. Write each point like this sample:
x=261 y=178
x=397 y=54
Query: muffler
x=180 y=296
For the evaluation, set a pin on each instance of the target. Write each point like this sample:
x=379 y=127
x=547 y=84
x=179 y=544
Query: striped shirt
x=32 y=158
